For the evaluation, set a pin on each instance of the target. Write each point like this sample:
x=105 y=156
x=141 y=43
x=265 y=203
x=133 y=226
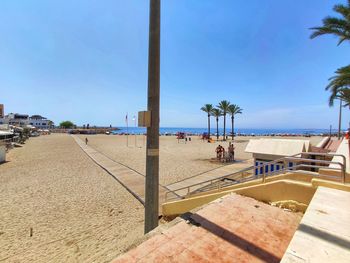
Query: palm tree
x=217 y=113
x=344 y=97
x=207 y=108
x=51 y=124
x=339 y=82
x=233 y=109
x=223 y=106
x=338 y=86
x=338 y=26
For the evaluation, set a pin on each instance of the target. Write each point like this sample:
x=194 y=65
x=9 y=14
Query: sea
x=248 y=131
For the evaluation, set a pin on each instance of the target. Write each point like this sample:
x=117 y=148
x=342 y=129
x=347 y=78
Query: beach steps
x=333 y=145
x=233 y=228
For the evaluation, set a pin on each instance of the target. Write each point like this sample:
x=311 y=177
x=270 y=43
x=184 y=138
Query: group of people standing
x=223 y=155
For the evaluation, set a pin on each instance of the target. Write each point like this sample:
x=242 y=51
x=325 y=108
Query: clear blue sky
x=86 y=61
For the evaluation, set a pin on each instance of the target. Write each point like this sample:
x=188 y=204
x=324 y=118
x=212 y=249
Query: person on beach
x=218 y=152
x=86 y=141
x=222 y=153
x=231 y=151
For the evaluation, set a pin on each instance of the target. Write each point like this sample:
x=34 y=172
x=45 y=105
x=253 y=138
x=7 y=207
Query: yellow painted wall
x=296 y=176
x=291 y=188
x=282 y=190
x=291 y=176
x=279 y=191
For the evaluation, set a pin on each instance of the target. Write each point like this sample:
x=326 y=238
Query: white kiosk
x=267 y=150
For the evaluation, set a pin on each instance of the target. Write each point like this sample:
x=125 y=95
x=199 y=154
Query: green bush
x=67 y=124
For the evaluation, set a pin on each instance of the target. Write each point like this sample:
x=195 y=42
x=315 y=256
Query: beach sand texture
x=78 y=212
x=178 y=160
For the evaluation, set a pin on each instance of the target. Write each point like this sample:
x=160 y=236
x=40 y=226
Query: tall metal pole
x=127 y=130
x=134 y=119
x=152 y=150
x=340 y=111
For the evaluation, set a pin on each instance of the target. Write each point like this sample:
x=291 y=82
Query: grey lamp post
x=340 y=113
x=152 y=150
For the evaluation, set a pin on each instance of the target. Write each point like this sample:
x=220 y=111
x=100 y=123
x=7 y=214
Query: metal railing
x=248 y=174
x=207 y=182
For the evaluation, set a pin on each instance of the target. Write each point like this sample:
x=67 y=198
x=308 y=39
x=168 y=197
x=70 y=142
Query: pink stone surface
x=232 y=229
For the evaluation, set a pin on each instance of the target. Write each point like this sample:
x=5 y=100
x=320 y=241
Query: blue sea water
x=197 y=131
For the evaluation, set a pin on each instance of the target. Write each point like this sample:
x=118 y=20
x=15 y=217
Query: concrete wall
x=344 y=150
x=324 y=142
x=2 y=153
x=288 y=188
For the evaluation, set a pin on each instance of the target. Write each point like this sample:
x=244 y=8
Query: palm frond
x=224 y=105
x=343 y=95
x=341 y=9
x=234 y=109
x=338 y=26
x=216 y=112
x=207 y=108
x=339 y=85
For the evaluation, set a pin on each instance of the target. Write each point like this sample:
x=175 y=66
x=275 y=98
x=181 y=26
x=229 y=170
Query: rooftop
x=278 y=147
x=37 y=117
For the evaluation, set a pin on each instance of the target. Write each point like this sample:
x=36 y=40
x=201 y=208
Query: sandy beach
x=78 y=212
x=178 y=160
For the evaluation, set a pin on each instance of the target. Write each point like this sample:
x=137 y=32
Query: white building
x=40 y=122
x=23 y=120
x=16 y=119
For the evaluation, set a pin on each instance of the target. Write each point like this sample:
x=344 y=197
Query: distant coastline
x=83 y=130
x=242 y=132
